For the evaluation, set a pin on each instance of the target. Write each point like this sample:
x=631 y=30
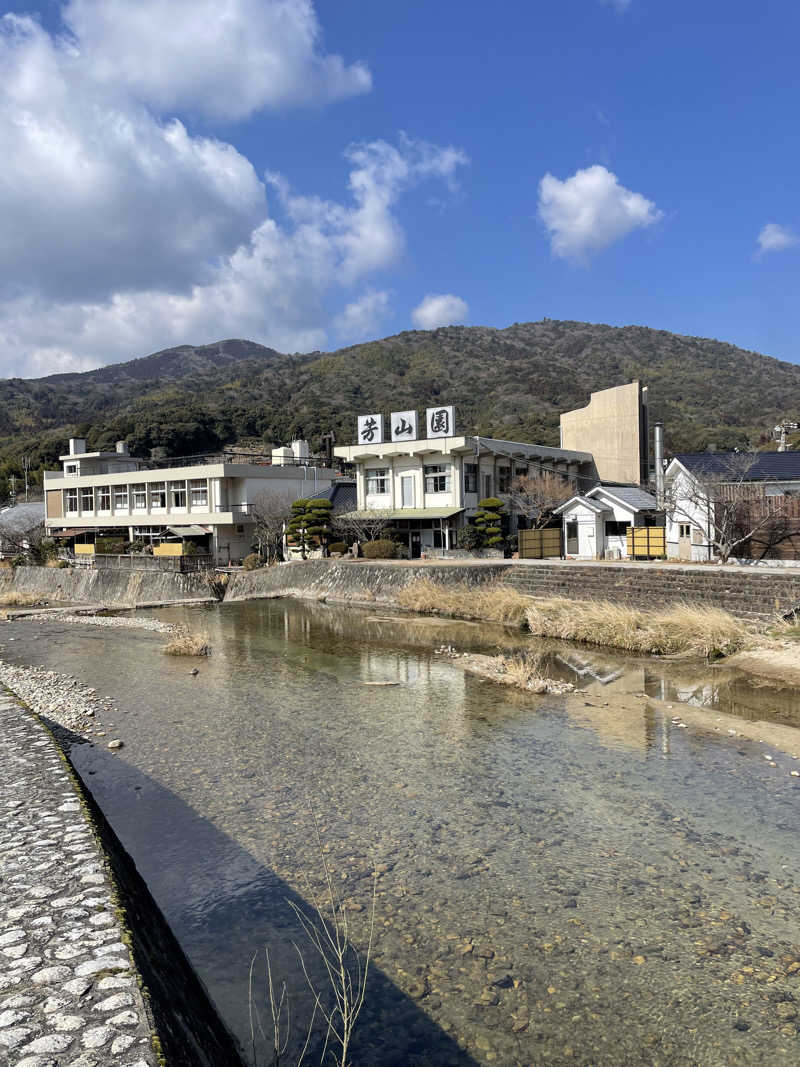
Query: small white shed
x=595 y=525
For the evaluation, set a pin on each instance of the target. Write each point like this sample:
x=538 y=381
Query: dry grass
x=186 y=643
x=684 y=629
x=19 y=600
x=494 y=601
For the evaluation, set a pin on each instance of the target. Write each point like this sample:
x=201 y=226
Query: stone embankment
x=82 y=585
x=69 y=990
x=747 y=594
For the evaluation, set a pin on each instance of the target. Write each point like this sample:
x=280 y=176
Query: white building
x=596 y=524
x=430 y=486
x=203 y=500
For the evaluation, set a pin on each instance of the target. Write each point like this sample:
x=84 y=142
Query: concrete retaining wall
x=83 y=585
x=748 y=594
x=355 y=582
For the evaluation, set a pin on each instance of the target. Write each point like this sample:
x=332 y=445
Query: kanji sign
x=440 y=422
x=370 y=429
x=404 y=425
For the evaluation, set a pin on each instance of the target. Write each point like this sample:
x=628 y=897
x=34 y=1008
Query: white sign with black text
x=370 y=429
x=404 y=425
x=440 y=422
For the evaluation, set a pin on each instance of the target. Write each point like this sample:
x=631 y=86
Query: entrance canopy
x=188 y=531
x=415 y=514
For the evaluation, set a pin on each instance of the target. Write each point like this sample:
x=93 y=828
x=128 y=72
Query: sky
x=315 y=173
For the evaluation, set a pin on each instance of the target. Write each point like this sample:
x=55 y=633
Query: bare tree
x=731 y=506
x=32 y=542
x=536 y=496
x=368 y=525
x=270 y=513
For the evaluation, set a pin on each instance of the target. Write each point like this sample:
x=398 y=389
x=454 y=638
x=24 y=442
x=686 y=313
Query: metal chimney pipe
x=658 y=449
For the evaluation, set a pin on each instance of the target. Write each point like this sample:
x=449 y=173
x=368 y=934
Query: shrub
x=251 y=562
x=185 y=643
x=470 y=538
x=338 y=546
x=379 y=549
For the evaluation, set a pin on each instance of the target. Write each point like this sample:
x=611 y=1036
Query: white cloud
x=123 y=232
x=273 y=288
x=589 y=211
x=222 y=58
x=439 y=309
x=775 y=238
x=362 y=318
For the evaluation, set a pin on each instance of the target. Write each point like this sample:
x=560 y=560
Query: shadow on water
x=231 y=908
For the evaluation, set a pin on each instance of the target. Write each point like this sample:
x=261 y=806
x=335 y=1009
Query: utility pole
x=26 y=466
x=13 y=481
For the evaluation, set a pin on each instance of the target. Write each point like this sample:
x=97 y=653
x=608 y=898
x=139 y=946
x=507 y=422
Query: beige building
x=614 y=428
x=207 y=501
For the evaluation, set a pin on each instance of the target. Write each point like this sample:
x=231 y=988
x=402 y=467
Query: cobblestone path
x=69 y=995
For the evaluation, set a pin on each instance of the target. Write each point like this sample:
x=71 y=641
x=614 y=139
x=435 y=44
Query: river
x=610 y=877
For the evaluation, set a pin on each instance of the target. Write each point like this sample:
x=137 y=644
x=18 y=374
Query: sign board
x=404 y=425
x=440 y=422
x=370 y=429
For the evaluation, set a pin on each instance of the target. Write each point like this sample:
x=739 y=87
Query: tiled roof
x=342 y=494
x=744 y=466
x=628 y=494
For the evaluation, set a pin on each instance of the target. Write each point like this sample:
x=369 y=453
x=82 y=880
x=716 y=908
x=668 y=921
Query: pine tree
x=310 y=524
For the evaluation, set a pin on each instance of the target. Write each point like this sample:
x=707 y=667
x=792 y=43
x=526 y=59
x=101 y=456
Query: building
x=595 y=524
x=750 y=500
x=430 y=486
x=206 y=501
x=614 y=427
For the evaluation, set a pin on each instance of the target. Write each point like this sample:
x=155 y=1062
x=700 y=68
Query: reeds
x=187 y=643
x=683 y=629
x=15 y=599
x=494 y=601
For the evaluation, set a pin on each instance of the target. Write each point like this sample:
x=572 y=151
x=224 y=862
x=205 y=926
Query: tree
x=490 y=519
x=310 y=524
x=724 y=498
x=30 y=542
x=270 y=513
x=370 y=525
x=536 y=496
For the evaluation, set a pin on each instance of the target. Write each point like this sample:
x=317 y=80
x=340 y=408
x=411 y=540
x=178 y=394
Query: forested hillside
x=508 y=383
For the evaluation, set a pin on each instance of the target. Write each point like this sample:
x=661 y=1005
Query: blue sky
x=311 y=175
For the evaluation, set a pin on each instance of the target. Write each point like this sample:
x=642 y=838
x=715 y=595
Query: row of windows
x=438 y=479
x=137 y=496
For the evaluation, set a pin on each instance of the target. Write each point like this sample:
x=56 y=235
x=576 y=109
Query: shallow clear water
x=563 y=880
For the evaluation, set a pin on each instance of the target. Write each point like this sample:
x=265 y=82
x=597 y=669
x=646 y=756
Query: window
x=87 y=499
x=158 y=494
x=470 y=477
x=521 y=470
x=198 y=492
x=684 y=530
x=437 y=478
x=487 y=485
x=616 y=529
x=503 y=479
x=104 y=498
x=150 y=534
x=140 y=497
x=70 y=468
x=120 y=498
x=377 y=480
x=177 y=494
x=70 y=500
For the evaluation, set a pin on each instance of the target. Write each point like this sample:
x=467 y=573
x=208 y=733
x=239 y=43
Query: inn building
x=429 y=483
x=206 y=501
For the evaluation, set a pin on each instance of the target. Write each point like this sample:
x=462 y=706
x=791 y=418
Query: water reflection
x=564 y=880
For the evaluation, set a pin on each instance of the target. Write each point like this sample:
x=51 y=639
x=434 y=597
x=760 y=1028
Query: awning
x=76 y=532
x=189 y=531
x=404 y=513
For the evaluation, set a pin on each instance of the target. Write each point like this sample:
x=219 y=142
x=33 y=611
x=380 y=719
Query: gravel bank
x=59 y=697
x=114 y=621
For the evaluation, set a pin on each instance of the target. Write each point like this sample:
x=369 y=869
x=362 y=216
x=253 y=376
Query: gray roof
x=22 y=517
x=744 y=466
x=631 y=495
x=593 y=505
x=341 y=493
x=531 y=451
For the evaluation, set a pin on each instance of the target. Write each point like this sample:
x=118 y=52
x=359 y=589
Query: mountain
x=510 y=383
